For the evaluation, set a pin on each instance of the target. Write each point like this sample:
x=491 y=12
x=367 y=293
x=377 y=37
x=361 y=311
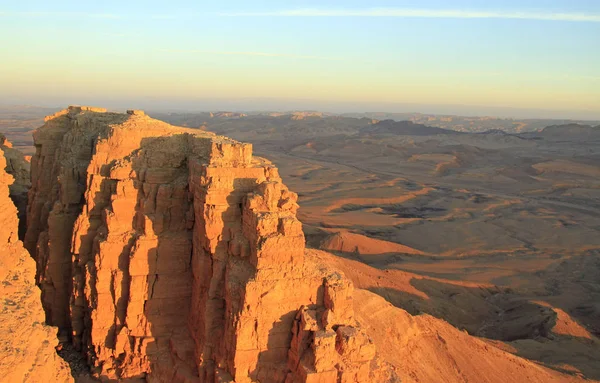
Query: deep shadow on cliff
x=27 y=345
x=18 y=167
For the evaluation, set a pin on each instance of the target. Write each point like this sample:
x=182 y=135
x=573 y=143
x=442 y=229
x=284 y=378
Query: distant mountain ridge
x=579 y=128
x=567 y=132
x=472 y=123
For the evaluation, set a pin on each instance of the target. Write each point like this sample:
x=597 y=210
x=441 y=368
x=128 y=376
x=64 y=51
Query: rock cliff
x=174 y=254
x=27 y=344
x=18 y=167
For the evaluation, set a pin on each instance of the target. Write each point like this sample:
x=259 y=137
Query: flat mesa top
x=134 y=119
x=125 y=132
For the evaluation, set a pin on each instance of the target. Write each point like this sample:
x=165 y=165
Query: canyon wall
x=175 y=255
x=18 y=168
x=27 y=344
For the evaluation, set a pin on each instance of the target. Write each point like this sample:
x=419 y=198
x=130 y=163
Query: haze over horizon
x=511 y=59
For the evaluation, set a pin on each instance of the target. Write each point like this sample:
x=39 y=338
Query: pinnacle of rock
x=174 y=254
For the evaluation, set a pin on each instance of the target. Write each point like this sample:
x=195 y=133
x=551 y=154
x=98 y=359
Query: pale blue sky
x=376 y=54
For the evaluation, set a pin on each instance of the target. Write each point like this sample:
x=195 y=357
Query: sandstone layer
x=27 y=345
x=175 y=255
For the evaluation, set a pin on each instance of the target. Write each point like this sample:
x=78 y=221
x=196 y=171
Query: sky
x=520 y=57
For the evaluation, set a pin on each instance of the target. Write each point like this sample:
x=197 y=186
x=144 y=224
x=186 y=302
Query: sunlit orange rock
x=27 y=345
x=174 y=254
x=17 y=166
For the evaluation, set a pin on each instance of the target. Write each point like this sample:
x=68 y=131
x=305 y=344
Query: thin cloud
x=323 y=12
x=423 y=13
x=98 y=15
x=260 y=54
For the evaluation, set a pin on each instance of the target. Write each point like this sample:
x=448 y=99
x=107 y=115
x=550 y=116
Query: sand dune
x=350 y=242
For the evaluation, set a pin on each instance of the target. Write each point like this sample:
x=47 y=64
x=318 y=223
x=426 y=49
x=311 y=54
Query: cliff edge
x=18 y=167
x=175 y=255
x=28 y=345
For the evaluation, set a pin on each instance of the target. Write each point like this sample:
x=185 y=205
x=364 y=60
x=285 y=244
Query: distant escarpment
x=27 y=345
x=175 y=255
x=568 y=132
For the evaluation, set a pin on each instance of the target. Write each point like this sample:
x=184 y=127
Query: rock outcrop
x=27 y=344
x=174 y=254
x=17 y=165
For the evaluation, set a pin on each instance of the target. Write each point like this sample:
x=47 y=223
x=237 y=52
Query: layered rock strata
x=174 y=254
x=28 y=345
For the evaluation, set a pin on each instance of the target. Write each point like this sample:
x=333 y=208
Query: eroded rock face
x=27 y=344
x=174 y=254
x=18 y=167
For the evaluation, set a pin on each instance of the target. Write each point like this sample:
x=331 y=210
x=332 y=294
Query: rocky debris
x=27 y=345
x=75 y=359
x=18 y=166
x=174 y=254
